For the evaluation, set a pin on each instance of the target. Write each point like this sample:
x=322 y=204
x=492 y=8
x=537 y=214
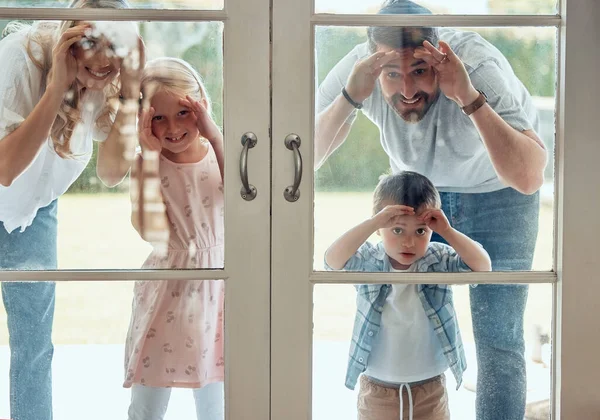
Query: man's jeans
x=30 y=311
x=505 y=222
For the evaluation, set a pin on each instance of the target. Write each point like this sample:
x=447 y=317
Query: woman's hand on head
x=64 y=64
x=206 y=125
x=148 y=141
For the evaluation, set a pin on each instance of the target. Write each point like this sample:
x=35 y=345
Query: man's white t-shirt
x=406 y=349
x=49 y=175
x=444 y=146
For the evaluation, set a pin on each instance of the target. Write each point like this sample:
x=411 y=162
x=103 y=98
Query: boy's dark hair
x=406 y=188
x=398 y=37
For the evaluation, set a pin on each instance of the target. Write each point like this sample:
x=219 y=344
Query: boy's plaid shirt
x=435 y=298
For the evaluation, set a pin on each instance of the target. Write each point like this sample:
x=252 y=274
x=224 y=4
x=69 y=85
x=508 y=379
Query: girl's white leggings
x=150 y=403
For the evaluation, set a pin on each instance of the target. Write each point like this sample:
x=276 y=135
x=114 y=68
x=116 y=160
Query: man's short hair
x=401 y=37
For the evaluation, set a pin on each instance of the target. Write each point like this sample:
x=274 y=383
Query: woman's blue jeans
x=30 y=312
x=505 y=222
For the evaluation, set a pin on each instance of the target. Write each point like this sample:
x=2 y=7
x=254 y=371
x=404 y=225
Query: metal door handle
x=292 y=193
x=248 y=191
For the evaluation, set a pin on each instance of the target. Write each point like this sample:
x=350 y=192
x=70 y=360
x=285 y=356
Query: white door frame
x=575 y=365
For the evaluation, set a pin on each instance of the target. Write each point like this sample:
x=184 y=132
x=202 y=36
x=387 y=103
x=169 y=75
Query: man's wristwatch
x=476 y=104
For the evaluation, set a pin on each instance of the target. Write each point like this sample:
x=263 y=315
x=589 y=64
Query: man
x=448 y=105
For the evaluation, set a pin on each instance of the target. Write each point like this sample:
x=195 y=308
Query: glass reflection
x=86 y=237
x=89 y=341
x=350 y=172
x=461 y=7
x=333 y=316
x=449 y=107
x=138 y=4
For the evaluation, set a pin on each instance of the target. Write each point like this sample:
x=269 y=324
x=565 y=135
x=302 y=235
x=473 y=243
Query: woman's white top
x=406 y=348
x=49 y=175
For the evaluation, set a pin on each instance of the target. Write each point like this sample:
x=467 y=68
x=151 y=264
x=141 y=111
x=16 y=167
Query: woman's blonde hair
x=46 y=35
x=174 y=76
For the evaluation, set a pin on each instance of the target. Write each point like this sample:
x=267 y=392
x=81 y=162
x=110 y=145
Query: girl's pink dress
x=175 y=336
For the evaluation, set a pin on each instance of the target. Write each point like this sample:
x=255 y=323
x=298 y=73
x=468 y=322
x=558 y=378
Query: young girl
x=405 y=336
x=175 y=337
x=59 y=90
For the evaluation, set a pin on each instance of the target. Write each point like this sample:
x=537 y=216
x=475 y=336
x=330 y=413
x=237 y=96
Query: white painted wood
x=35 y=13
x=577 y=336
x=436 y=20
x=247 y=223
x=500 y=277
x=112 y=275
x=292 y=224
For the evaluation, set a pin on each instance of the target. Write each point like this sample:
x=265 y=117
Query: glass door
x=327 y=335
x=75 y=219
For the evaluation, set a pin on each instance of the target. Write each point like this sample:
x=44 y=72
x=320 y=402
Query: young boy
x=405 y=335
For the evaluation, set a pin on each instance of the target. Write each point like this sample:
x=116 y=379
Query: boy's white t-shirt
x=406 y=348
x=48 y=176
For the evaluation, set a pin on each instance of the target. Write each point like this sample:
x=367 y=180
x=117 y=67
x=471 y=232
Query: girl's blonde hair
x=46 y=35
x=174 y=76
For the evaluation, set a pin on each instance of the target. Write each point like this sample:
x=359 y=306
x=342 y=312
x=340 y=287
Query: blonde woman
x=59 y=89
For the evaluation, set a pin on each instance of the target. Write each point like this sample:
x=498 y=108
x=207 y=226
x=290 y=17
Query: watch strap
x=476 y=104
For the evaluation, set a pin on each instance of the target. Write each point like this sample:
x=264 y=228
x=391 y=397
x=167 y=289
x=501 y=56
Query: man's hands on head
x=452 y=76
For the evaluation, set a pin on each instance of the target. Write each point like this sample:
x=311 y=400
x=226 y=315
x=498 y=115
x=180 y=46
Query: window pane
x=93 y=223
x=333 y=318
x=91 y=345
x=138 y=4
x=443 y=144
x=483 y=7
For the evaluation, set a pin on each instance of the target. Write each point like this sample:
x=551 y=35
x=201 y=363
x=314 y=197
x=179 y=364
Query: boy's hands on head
x=389 y=216
x=206 y=125
x=436 y=220
x=472 y=254
x=338 y=254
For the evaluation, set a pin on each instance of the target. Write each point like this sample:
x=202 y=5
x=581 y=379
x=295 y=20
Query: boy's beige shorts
x=430 y=401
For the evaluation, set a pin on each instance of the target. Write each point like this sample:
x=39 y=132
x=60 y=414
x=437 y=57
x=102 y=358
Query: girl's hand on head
x=148 y=140
x=206 y=125
x=436 y=220
x=64 y=64
x=389 y=216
